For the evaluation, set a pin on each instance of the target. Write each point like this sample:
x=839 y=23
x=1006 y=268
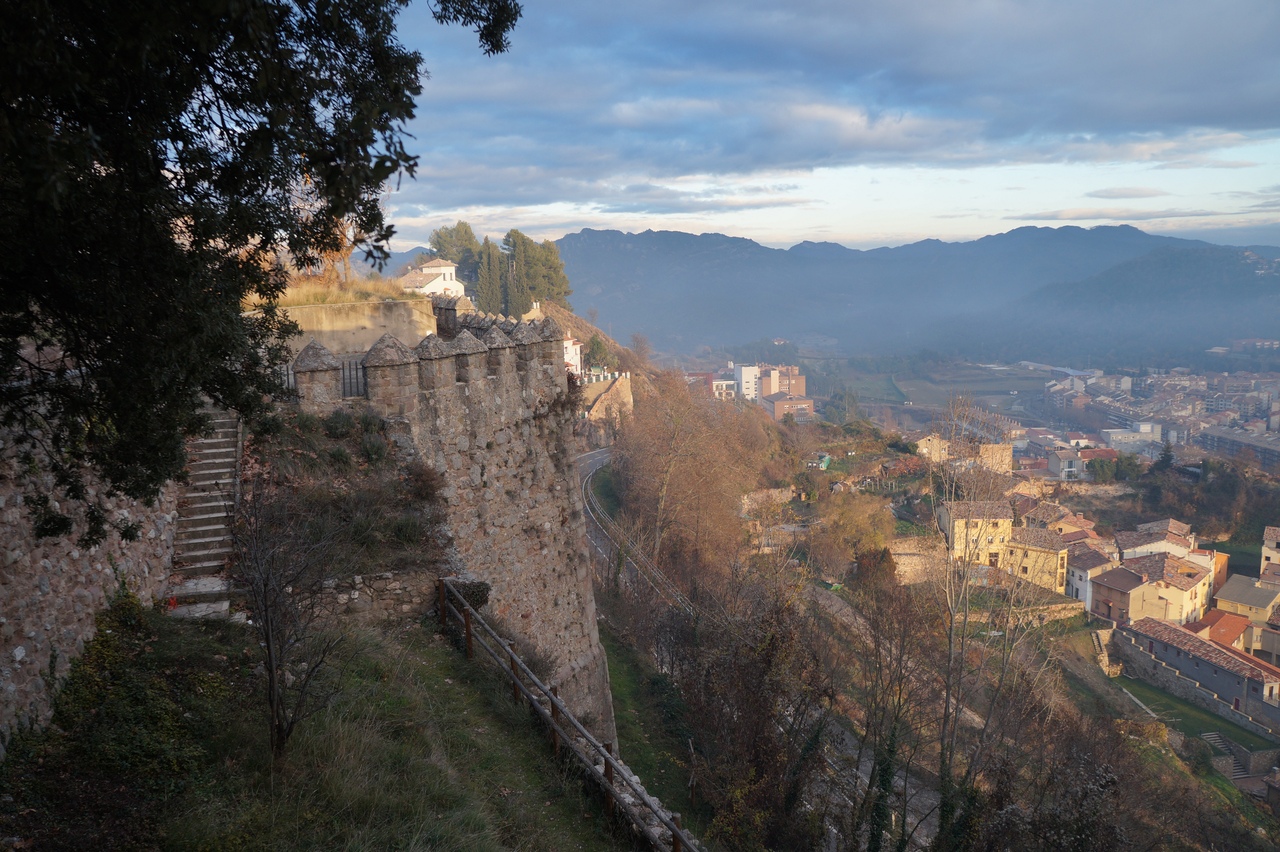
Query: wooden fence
x=661 y=829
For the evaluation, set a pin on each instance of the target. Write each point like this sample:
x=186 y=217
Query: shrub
x=422 y=481
x=339 y=457
x=370 y=423
x=339 y=424
x=374 y=448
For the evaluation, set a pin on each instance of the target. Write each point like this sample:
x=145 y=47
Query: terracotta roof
x=1193 y=645
x=1120 y=579
x=1043 y=539
x=437 y=263
x=1271 y=533
x=1047 y=513
x=1085 y=558
x=1080 y=535
x=979 y=510
x=1130 y=539
x=1167 y=525
x=1222 y=626
x=1178 y=573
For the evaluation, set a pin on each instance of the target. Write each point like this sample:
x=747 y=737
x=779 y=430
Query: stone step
x=200 y=589
x=205 y=542
x=214 y=527
x=202 y=610
x=200 y=568
x=206 y=553
x=214 y=516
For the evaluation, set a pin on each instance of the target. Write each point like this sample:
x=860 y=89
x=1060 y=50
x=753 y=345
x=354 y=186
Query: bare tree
x=280 y=563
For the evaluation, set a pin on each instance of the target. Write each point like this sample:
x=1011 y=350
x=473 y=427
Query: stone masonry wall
x=51 y=590
x=1143 y=665
x=485 y=405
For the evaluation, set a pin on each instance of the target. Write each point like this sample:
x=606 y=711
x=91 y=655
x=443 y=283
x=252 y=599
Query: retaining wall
x=51 y=589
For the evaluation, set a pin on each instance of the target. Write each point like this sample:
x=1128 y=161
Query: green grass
x=1243 y=558
x=652 y=736
x=1188 y=718
x=880 y=388
x=162 y=743
x=606 y=491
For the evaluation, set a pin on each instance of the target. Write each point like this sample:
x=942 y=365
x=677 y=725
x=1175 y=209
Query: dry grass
x=309 y=292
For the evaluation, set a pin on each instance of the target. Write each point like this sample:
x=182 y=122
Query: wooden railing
x=596 y=757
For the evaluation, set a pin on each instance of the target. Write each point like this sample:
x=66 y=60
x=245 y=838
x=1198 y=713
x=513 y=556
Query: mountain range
x=1030 y=293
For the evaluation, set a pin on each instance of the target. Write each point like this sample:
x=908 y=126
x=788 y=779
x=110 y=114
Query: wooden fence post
x=466 y=622
x=440 y=603
x=555 y=717
x=515 y=676
x=608 y=775
x=676 y=845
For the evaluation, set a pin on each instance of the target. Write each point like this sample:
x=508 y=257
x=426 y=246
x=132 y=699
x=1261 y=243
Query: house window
x=1254 y=688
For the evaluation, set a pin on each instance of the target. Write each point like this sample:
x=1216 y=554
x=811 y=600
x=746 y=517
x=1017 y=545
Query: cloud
x=1126 y=192
x=610 y=108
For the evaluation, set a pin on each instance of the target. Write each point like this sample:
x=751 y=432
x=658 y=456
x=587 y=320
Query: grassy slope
x=160 y=743
x=651 y=735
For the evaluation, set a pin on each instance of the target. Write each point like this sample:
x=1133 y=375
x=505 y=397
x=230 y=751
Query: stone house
x=1158 y=585
x=1084 y=563
x=977 y=531
x=1269 y=574
x=1245 y=684
x=1245 y=596
x=1037 y=556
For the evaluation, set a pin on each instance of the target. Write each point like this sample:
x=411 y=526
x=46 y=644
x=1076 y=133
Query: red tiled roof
x=1211 y=652
x=1129 y=539
x=1167 y=525
x=1222 y=626
x=1178 y=573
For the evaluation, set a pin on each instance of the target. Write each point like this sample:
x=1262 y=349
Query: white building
x=434 y=278
x=573 y=355
x=748 y=381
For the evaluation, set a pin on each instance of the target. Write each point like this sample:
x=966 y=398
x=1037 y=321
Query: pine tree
x=517 y=296
x=489 y=288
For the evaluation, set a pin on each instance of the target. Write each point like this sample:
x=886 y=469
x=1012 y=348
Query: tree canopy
x=459 y=245
x=164 y=162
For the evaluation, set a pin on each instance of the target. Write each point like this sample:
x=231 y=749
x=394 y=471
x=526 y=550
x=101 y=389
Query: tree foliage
x=459 y=245
x=166 y=161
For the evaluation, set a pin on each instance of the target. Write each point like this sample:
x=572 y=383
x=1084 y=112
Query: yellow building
x=1038 y=556
x=977 y=531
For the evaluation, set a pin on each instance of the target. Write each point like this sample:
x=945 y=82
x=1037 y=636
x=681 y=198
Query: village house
x=976 y=530
x=1158 y=585
x=436 y=277
x=1240 y=681
x=1269 y=573
x=1037 y=556
x=1084 y=563
x=1245 y=596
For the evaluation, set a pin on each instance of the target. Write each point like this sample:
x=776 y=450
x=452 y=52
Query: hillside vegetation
x=159 y=741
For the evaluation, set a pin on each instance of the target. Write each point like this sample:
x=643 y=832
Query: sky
x=868 y=123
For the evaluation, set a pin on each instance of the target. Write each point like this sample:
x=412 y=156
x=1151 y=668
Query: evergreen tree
x=489 y=287
x=517 y=297
x=165 y=157
x=459 y=245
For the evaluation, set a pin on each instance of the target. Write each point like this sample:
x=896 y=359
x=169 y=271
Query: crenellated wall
x=485 y=402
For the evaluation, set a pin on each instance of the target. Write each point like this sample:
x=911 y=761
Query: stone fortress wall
x=485 y=402
x=51 y=589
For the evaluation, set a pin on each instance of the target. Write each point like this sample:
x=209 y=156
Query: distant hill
x=684 y=291
x=398 y=264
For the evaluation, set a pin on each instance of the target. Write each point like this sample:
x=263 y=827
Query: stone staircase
x=1215 y=739
x=1100 y=640
x=202 y=541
